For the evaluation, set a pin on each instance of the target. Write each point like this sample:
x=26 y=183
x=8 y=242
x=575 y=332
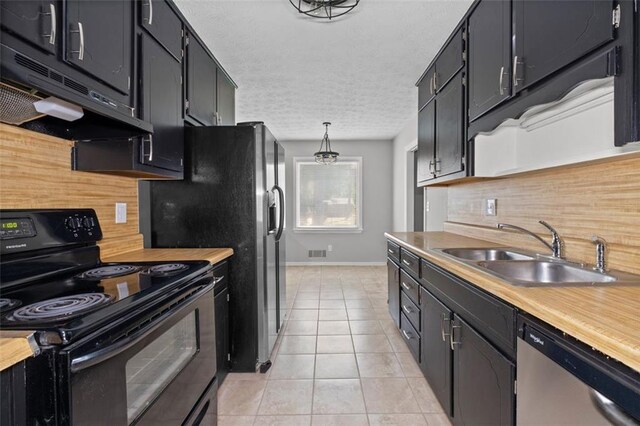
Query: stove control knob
x=88 y=223
x=72 y=223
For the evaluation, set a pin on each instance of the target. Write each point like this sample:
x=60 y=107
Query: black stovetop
x=82 y=300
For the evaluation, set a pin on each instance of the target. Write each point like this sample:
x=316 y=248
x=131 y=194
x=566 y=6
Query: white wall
x=402 y=143
x=367 y=246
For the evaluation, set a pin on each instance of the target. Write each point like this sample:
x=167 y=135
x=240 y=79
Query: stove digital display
x=16 y=228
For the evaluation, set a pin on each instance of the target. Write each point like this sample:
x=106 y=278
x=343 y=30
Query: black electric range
x=120 y=342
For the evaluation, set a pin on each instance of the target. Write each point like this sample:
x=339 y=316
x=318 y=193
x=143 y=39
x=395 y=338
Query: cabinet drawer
x=450 y=61
x=410 y=287
x=410 y=336
x=410 y=310
x=494 y=319
x=393 y=251
x=220 y=276
x=410 y=263
x=425 y=89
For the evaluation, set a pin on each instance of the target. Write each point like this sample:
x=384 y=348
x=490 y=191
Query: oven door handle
x=88 y=360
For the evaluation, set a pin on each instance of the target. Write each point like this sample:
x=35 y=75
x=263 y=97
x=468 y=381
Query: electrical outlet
x=491 y=209
x=329 y=247
x=121 y=212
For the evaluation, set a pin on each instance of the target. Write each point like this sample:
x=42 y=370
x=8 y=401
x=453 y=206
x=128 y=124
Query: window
x=328 y=197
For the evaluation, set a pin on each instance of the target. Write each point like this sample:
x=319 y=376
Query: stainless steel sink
x=529 y=272
x=479 y=254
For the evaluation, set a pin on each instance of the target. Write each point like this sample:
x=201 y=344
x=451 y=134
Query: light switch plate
x=491 y=209
x=121 y=212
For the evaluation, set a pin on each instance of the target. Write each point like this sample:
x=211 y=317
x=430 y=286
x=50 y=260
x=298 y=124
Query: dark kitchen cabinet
x=436 y=352
x=426 y=91
x=441 y=129
x=426 y=141
x=99 y=40
x=449 y=139
x=449 y=61
x=157 y=17
x=552 y=34
x=201 y=84
x=482 y=379
x=393 y=281
x=161 y=105
x=226 y=99
x=37 y=22
x=489 y=56
x=222 y=333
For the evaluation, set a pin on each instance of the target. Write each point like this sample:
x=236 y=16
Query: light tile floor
x=340 y=360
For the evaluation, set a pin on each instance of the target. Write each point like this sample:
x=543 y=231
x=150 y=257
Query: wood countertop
x=605 y=318
x=16 y=346
x=213 y=255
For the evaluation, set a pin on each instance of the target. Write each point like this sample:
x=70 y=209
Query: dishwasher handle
x=610 y=410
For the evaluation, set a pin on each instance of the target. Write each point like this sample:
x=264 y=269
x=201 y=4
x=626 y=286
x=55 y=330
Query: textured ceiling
x=295 y=72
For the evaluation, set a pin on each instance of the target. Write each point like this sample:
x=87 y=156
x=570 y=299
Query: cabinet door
x=483 y=379
x=393 y=280
x=99 y=39
x=426 y=141
x=201 y=84
x=450 y=61
x=489 y=56
x=450 y=127
x=552 y=34
x=226 y=103
x=161 y=105
x=426 y=91
x=157 y=17
x=436 y=353
x=222 y=334
x=34 y=21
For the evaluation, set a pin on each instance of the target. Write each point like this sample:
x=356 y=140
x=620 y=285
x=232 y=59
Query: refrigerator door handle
x=281 y=212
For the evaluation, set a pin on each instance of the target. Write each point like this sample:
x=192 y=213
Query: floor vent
x=317 y=253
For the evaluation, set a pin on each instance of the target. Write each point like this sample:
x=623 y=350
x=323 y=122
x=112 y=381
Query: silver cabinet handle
x=80 y=32
x=407 y=335
x=216 y=280
x=406 y=309
x=452 y=340
x=390 y=251
x=500 y=83
x=405 y=262
x=435 y=81
x=150 y=147
x=150 y=12
x=431 y=167
x=444 y=318
x=437 y=166
x=515 y=71
x=405 y=285
x=431 y=85
x=52 y=17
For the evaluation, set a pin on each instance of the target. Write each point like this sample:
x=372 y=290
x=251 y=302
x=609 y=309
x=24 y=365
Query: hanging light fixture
x=324 y=9
x=326 y=156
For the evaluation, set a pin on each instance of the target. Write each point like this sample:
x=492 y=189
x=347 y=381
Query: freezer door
x=281 y=259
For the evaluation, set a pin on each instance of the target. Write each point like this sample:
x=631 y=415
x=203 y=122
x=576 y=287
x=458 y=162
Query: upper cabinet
x=489 y=56
x=200 y=104
x=35 y=21
x=100 y=40
x=449 y=61
x=225 y=99
x=551 y=35
x=157 y=17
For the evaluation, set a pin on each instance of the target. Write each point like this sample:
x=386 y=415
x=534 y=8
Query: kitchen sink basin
x=529 y=272
x=480 y=254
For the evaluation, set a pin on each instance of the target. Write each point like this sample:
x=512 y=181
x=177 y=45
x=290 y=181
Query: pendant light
x=326 y=156
x=324 y=9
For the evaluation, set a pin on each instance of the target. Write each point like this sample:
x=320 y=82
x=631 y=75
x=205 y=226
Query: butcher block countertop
x=606 y=318
x=213 y=255
x=16 y=346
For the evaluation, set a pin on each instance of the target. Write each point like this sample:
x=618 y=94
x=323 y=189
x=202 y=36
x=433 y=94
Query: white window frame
x=296 y=208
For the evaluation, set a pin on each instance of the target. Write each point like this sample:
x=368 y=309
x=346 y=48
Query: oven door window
x=154 y=367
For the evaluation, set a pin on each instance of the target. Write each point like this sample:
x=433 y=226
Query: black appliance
x=232 y=196
x=121 y=343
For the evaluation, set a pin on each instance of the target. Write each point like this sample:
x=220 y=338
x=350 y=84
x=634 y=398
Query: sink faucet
x=556 y=242
x=601 y=246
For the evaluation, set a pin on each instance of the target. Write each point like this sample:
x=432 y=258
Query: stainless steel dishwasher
x=561 y=381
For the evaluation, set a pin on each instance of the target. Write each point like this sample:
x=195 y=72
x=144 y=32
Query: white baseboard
x=336 y=263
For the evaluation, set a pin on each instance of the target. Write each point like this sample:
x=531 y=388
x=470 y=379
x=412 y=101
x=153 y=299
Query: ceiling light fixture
x=326 y=156
x=324 y=9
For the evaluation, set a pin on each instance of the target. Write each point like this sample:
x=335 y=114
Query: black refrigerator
x=232 y=195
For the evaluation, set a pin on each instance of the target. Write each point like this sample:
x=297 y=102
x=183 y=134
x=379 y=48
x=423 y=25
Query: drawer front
x=410 y=263
x=410 y=336
x=494 y=319
x=410 y=287
x=410 y=310
x=393 y=251
x=221 y=276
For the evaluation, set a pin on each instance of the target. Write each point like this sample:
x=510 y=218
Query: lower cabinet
x=223 y=349
x=436 y=351
x=482 y=379
x=393 y=278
